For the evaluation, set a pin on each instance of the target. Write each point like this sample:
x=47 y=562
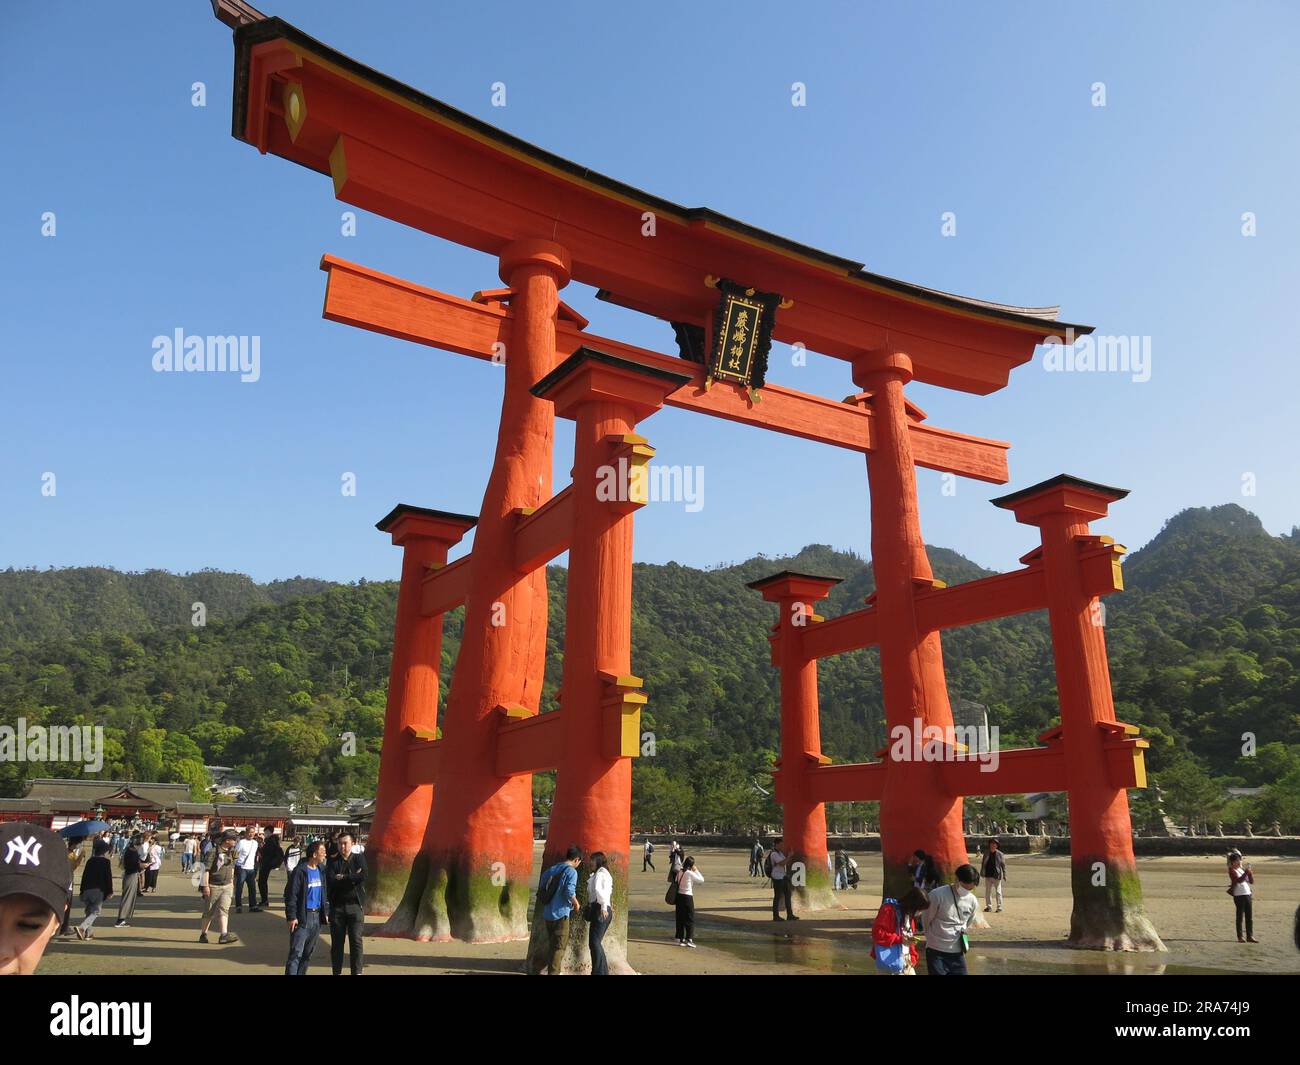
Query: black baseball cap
x=34 y=861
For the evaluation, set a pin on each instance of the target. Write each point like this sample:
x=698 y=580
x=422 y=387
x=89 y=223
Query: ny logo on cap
x=28 y=850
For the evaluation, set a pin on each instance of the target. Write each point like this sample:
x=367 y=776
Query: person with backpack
x=893 y=933
x=774 y=866
x=647 y=857
x=684 y=902
x=952 y=908
x=557 y=893
x=271 y=860
x=218 y=888
x=841 y=869
x=96 y=888
x=994 y=870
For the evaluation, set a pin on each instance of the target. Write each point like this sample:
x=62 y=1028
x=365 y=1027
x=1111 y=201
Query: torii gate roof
x=395 y=151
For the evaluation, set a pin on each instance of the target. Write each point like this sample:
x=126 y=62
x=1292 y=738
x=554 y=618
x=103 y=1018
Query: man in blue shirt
x=557 y=892
x=306 y=907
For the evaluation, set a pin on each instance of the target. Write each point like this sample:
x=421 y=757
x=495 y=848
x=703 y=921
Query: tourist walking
x=306 y=907
x=687 y=878
x=218 y=888
x=153 y=866
x=775 y=867
x=951 y=909
x=189 y=847
x=246 y=872
x=756 y=858
x=345 y=880
x=648 y=857
x=35 y=876
x=994 y=871
x=271 y=860
x=132 y=878
x=841 y=869
x=1240 y=887
x=600 y=911
x=557 y=891
x=685 y=903
x=96 y=888
x=893 y=933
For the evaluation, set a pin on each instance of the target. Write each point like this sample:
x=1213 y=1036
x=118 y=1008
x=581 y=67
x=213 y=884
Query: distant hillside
x=1205 y=646
x=54 y=603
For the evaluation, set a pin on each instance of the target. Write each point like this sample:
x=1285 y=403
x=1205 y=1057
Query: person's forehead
x=25 y=905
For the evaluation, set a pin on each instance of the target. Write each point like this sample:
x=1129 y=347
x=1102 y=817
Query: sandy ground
x=736 y=935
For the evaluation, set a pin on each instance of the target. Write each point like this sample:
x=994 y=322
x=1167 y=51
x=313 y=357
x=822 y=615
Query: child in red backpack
x=893 y=935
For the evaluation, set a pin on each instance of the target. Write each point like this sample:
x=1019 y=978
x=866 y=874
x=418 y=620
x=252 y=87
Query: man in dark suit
x=345 y=878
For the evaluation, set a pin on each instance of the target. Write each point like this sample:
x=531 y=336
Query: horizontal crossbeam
x=358 y=296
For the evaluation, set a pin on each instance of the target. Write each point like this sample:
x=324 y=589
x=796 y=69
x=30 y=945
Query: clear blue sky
x=1129 y=216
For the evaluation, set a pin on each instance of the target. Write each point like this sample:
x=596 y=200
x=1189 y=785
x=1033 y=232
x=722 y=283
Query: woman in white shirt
x=155 y=863
x=600 y=911
x=686 y=880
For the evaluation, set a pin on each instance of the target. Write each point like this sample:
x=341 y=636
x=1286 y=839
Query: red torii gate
x=455 y=859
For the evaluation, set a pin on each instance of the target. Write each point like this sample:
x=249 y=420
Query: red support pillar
x=1108 y=912
x=401 y=810
x=915 y=810
x=480 y=836
x=803 y=820
x=606 y=396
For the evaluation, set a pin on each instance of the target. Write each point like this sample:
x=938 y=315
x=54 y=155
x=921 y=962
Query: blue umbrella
x=82 y=829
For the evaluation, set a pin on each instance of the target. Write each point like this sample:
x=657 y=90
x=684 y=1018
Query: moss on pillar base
x=817 y=891
x=1108 y=913
x=387 y=877
x=477 y=907
x=897 y=880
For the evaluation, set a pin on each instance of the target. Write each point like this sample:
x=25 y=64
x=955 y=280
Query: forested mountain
x=1205 y=644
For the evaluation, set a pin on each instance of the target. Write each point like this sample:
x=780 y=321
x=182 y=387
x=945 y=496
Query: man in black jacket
x=345 y=876
x=271 y=860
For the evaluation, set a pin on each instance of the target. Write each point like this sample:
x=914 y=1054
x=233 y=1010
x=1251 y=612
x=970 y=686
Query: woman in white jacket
x=600 y=911
x=686 y=880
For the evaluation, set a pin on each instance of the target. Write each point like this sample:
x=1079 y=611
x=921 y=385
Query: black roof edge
x=273 y=28
x=386 y=522
x=1052 y=482
x=763 y=582
x=586 y=354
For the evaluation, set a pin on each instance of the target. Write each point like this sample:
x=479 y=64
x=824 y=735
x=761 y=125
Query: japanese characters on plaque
x=742 y=335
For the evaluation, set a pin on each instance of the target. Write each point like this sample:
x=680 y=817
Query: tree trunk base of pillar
x=1108 y=913
x=816 y=897
x=457 y=904
x=388 y=876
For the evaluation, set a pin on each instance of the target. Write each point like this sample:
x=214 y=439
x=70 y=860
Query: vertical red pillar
x=592 y=809
x=402 y=810
x=915 y=810
x=1108 y=911
x=480 y=837
x=803 y=818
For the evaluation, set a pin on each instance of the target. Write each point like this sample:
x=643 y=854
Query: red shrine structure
x=451 y=849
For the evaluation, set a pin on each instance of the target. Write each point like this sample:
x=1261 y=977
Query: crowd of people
x=325 y=888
